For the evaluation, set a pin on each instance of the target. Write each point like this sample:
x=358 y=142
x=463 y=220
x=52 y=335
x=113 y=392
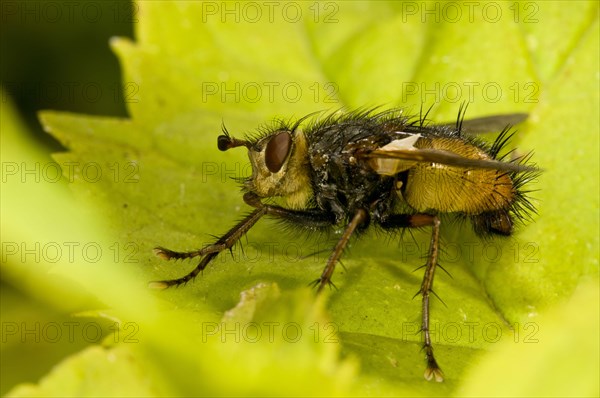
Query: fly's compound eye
x=277 y=151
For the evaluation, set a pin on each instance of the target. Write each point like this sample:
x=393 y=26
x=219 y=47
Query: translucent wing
x=487 y=124
x=411 y=156
x=400 y=155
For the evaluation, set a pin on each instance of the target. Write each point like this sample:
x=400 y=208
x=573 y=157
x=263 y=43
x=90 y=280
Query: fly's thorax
x=457 y=189
x=280 y=168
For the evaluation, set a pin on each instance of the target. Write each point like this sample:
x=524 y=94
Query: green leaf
x=105 y=372
x=558 y=337
x=194 y=66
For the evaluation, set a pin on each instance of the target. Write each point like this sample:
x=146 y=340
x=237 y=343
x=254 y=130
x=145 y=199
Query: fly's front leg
x=311 y=218
x=209 y=252
x=315 y=218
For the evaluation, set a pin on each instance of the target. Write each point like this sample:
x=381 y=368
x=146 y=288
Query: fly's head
x=279 y=162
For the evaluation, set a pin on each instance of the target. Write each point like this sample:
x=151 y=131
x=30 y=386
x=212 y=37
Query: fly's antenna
x=226 y=141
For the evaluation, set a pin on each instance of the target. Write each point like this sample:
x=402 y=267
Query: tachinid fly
x=362 y=168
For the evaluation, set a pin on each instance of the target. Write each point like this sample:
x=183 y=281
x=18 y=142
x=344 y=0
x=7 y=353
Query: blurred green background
x=53 y=55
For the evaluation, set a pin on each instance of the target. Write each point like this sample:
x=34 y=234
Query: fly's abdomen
x=447 y=189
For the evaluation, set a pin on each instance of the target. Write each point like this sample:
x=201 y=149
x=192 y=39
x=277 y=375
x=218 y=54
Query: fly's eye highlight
x=277 y=151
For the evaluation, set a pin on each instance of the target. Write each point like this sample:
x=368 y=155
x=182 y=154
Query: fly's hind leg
x=397 y=221
x=433 y=371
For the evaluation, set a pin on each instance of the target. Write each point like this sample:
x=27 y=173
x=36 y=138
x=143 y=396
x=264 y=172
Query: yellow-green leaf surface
x=248 y=324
